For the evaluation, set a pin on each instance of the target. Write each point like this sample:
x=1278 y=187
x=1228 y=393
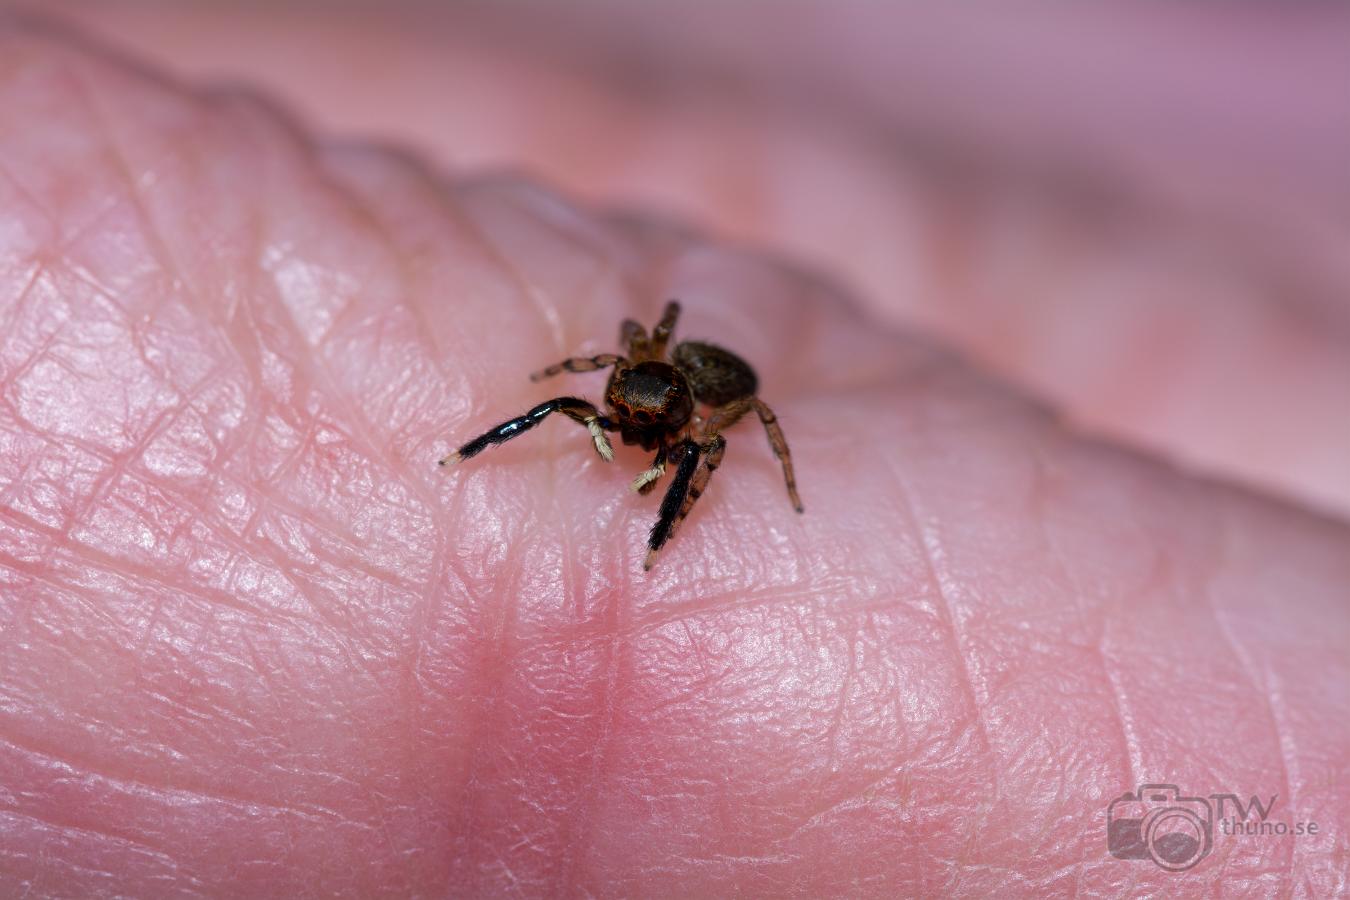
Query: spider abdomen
x=716 y=376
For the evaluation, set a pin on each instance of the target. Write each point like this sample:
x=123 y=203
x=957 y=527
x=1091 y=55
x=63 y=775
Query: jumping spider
x=651 y=401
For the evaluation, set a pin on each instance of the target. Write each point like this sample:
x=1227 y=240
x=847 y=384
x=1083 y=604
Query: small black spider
x=651 y=403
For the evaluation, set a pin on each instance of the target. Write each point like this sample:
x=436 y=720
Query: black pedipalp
x=573 y=407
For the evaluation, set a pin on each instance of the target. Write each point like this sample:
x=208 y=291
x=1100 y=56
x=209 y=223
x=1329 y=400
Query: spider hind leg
x=663 y=330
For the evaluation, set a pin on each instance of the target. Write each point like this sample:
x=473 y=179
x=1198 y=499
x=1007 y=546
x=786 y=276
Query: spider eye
x=643 y=417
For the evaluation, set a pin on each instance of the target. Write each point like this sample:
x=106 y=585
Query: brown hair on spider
x=650 y=401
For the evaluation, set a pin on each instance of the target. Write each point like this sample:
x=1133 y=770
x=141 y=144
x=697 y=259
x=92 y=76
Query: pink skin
x=1138 y=211
x=256 y=643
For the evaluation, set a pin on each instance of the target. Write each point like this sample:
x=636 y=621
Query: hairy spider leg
x=725 y=416
x=578 y=364
x=780 y=449
x=646 y=482
x=714 y=449
x=661 y=333
x=633 y=339
x=573 y=407
x=686 y=455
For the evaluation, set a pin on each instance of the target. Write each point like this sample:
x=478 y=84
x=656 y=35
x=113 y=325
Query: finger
x=1159 y=250
x=245 y=617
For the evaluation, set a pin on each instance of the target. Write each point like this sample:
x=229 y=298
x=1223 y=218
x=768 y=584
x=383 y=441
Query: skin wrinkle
x=26 y=611
x=575 y=830
x=40 y=352
x=539 y=301
x=1129 y=731
x=331 y=160
x=957 y=645
x=86 y=770
x=441 y=567
x=615 y=643
x=366 y=433
x=1129 y=738
x=1259 y=685
x=578 y=839
x=487 y=688
x=549 y=313
x=845 y=688
x=1288 y=755
x=547 y=307
x=1262 y=677
x=128 y=456
x=584 y=809
x=121 y=166
x=747 y=601
x=119 y=463
x=152 y=850
x=90 y=556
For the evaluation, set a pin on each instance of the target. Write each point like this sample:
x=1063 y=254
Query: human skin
x=1136 y=211
x=256 y=643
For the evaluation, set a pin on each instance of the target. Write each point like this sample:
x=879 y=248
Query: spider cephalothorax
x=650 y=399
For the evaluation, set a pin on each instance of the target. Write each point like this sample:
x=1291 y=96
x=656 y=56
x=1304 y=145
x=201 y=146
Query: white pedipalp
x=602 y=445
x=648 y=477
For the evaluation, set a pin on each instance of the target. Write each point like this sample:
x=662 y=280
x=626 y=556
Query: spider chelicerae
x=651 y=399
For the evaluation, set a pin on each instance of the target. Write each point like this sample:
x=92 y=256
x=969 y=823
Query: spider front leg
x=573 y=407
x=578 y=364
x=696 y=463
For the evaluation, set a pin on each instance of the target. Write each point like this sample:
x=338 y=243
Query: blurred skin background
x=1138 y=213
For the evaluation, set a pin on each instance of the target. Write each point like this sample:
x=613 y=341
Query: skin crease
x=256 y=643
